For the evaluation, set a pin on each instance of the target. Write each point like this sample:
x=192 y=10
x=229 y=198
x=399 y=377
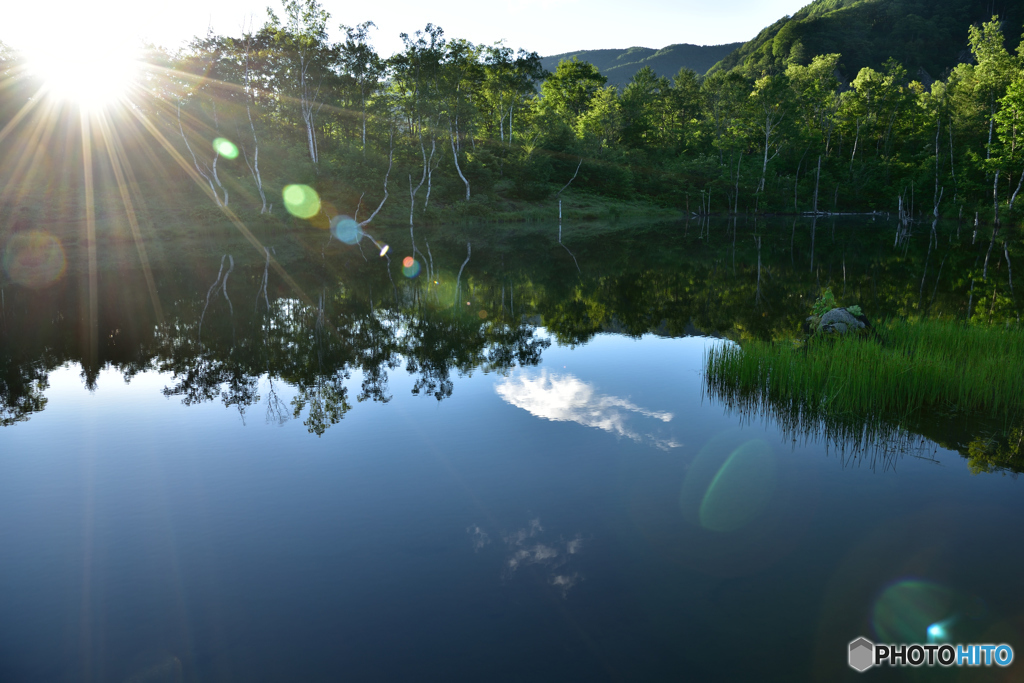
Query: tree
x=302 y=38
x=770 y=102
x=817 y=97
x=602 y=123
x=359 y=60
x=995 y=68
x=569 y=91
x=509 y=80
x=648 y=114
x=724 y=95
x=685 y=100
x=459 y=82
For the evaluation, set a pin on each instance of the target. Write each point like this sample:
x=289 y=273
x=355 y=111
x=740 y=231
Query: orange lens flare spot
x=410 y=267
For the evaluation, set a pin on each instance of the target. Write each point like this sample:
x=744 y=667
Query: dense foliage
x=927 y=36
x=469 y=128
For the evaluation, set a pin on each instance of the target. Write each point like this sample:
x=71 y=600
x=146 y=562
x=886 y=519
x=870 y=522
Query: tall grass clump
x=863 y=387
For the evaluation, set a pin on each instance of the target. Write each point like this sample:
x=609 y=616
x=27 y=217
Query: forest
x=452 y=130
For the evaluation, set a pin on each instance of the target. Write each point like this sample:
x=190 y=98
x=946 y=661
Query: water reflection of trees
x=347 y=319
x=315 y=349
x=21 y=387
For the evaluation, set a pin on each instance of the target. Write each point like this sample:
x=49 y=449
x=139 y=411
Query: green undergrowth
x=866 y=388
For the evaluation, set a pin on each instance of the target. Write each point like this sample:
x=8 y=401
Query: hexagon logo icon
x=862 y=654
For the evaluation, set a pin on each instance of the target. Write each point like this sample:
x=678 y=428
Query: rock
x=841 y=321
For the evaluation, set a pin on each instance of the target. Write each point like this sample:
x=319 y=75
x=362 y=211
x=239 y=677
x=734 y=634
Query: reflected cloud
x=565 y=581
x=566 y=398
x=478 y=537
x=527 y=547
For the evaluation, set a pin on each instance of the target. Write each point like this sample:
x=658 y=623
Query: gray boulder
x=841 y=321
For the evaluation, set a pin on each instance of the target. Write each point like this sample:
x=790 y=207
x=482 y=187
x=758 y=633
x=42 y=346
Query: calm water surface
x=322 y=472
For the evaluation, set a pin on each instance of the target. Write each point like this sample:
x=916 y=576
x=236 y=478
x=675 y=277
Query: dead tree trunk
x=817 y=183
x=254 y=166
x=455 y=156
x=391 y=156
x=206 y=176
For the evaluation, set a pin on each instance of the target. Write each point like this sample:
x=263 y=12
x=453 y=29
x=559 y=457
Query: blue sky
x=547 y=26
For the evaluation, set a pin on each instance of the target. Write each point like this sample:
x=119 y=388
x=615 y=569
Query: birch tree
x=303 y=38
x=770 y=102
x=359 y=60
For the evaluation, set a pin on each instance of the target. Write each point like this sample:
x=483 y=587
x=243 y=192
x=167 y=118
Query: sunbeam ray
x=92 y=318
x=117 y=160
x=242 y=228
x=22 y=113
x=32 y=151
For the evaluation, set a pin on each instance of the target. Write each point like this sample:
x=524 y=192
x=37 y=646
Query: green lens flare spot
x=741 y=490
x=730 y=483
x=913 y=611
x=225 y=148
x=301 y=201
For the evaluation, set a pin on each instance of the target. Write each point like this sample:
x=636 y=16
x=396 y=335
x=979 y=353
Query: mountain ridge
x=619 y=65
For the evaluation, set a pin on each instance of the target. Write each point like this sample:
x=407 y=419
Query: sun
x=93 y=76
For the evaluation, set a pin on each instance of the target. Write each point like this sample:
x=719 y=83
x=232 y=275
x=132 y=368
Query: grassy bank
x=864 y=388
x=912 y=365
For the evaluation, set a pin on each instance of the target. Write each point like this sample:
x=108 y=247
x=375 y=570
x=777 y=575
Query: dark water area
x=334 y=466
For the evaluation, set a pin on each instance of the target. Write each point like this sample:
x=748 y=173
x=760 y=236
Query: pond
x=488 y=462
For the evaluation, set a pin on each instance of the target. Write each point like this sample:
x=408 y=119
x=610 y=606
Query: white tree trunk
x=195 y=161
x=455 y=155
x=430 y=171
x=391 y=156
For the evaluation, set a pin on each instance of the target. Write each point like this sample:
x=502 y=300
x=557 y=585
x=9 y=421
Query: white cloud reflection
x=478 y=537
x=526 y=547
x=566 y=398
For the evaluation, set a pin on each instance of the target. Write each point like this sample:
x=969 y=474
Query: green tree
x=308 y=59
x=602 y=123
x=770 y=104
x=647 y=111
x=360 y=61
x=569 y=91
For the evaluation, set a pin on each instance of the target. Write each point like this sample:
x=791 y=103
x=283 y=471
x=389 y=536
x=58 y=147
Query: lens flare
x=939 y=631
x=302 y=201
x=733 y=488
x=34 y=259
x=482 y=314
x=346 y=229
x=225 y=148
x=911 y=611
x=410 y=267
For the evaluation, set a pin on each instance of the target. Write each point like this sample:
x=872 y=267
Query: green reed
x=862 y=388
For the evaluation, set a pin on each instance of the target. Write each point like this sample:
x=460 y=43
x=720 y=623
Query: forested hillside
x=928 y=37
x=619 y=66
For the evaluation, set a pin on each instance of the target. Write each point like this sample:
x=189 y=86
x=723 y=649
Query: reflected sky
x=562 y=397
